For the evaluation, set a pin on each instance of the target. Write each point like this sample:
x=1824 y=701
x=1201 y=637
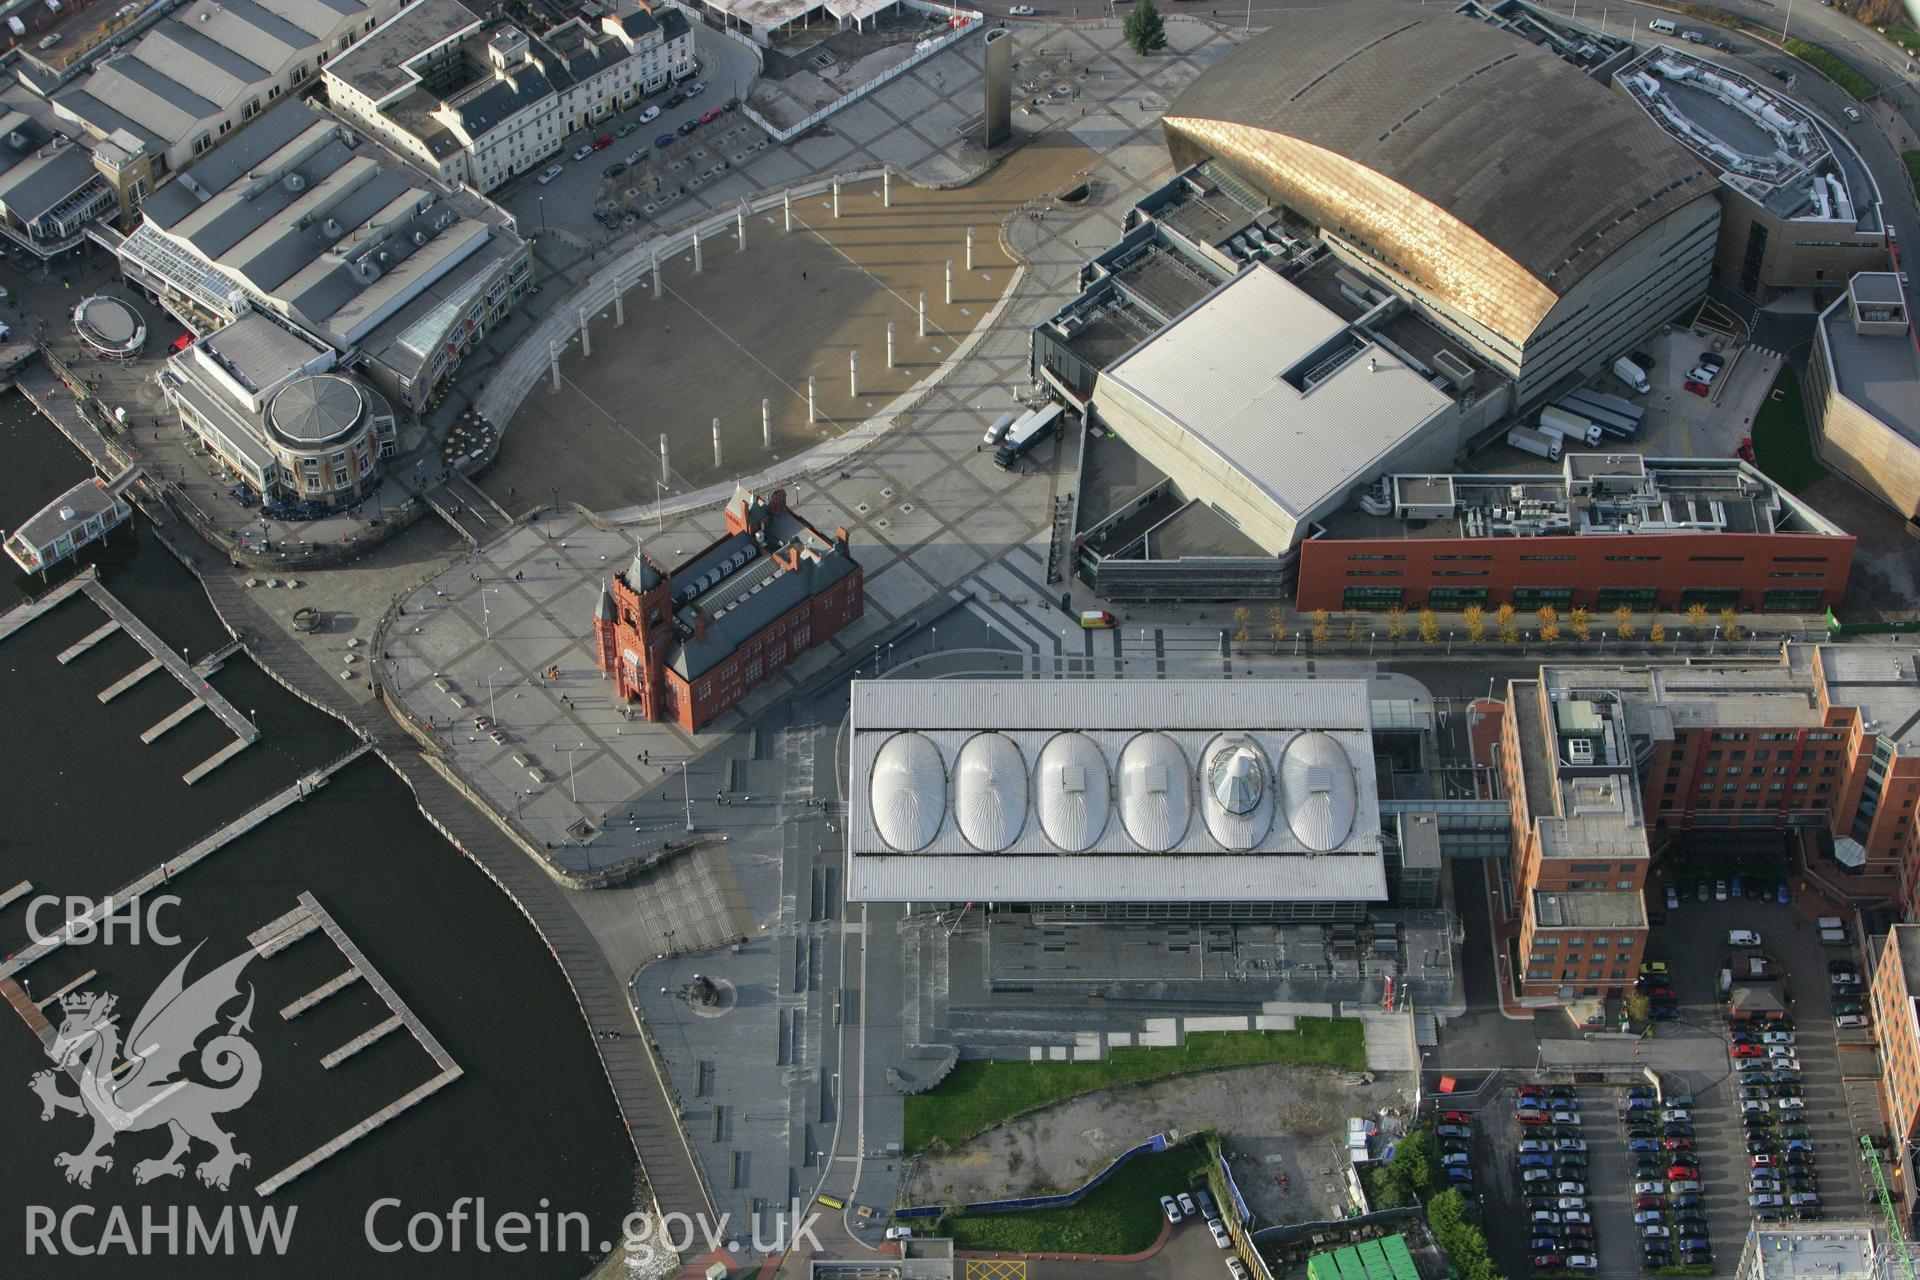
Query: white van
x=1663 y=25
x=1742 y=938
x=1001 y=425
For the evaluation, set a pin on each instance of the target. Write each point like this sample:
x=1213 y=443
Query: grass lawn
x=1782 y=443
x=980 y=1094
x=1833 y=67
x=1122 y=1215
x=1913 y=167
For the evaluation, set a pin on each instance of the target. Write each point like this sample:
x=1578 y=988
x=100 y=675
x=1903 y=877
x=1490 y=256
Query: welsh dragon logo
x=144 y=1089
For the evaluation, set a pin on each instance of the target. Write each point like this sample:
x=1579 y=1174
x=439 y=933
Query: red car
x=1698 y=388
x=1529 y=1091
x=1748 y=1051
x=1455 y=1117
x=603 y=141
x=1681 y=1172
x=710 y=115
x=1649 y=1202
x=1677 y=1144
x=1532 y=1117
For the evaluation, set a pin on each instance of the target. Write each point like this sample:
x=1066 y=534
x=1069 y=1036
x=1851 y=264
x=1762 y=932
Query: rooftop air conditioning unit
x=1580 y=750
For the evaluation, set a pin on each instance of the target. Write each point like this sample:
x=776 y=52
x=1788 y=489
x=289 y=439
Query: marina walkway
x=181 y=861
x=633 y=1071
x=298 y=922
x=237 y=724
x=20 y=615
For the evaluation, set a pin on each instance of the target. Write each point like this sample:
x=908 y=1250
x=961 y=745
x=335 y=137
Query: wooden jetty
x=87 y=641
x=129 y=680
x=29 y=1011
x=215 y=760
x=20 y=615
x=181 y=861
x=377 y=1033
x=77 y=983
x=239 y=725
x=402 y=1016
x=173 y=721
x=328 y=988
x=273 y=938
x=16 y=893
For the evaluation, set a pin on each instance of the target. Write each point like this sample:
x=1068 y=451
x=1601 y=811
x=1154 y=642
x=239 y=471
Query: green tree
x=1145 y=31
x=1418 y=1160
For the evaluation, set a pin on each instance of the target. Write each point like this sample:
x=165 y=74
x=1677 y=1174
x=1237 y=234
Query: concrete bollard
x=890 y=363
x=663 y=458
x=853 y=373
x=786 y=206
x=696 y=253
x=586 y=334
x=766 y=423
x=949 y=281
x=553 y=361
x=969 y=248
x=923 y=313
x=716 y=442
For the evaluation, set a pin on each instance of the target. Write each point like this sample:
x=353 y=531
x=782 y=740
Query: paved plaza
x=754 y=325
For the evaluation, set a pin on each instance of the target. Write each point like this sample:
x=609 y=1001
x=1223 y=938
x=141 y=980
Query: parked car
x=602 y=142
x=710 y=115
x=626 y=128
x=1776 y=1037
x=1673 y=898
x=582 y=152
x=1569 y=1144
x=1168 y=1207
x=1850 y=1020
x=649 y=115
x=688 y=126
x=548 y=174
x=1764 y=1200
x=1218 y=1230
x=1453 y=1131
x=1455 y=1117
x=1026 y=11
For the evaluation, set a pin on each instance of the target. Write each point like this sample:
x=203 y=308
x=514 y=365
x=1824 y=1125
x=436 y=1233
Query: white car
x=1187 y=1207
x=551 y=172
x=583 y=152
x=1777 y=1037
x=1790 y=1104
x=1704 y=376
x=650 y=114
x=1021 y=11
x=1236 y=1269
x=1583 y=1262
x=1221 y=1239
x=1764 y=1202
x=899 y=1233
x=1853 y=114
x=1850 y=1020
x=1168 y=1207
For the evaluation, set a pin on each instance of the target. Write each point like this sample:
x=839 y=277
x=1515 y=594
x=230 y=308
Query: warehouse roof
x=1280 y=389
x=1439 y=142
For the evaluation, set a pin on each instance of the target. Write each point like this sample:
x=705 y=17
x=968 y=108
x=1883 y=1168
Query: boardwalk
x=20 y=615
x=237 y=724
x=304 y=918
x=87 y=641
x=180 y=862
x=633 y=1072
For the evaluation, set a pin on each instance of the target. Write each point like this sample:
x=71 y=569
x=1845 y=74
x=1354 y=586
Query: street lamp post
x=486 y=615
x=686 y=794
x=1714 y=643
x=573 y=790
x=491 y=713
x=543 y=214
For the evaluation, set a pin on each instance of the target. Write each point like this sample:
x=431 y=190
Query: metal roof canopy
x=1111 y=772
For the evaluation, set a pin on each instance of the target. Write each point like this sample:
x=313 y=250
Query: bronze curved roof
x=1482 y=167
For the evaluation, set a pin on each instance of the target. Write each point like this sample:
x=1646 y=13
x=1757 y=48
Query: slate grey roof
x=86 y=500
x=197 y=63
x=374 y=65
x=1551 y=167
x=39 y=171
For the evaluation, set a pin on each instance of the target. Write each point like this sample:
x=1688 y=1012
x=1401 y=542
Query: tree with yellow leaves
x=1623 y=618
x=1429 y=627
x=1581 y=625
x=1509 y=630
x=1322 y=626
x=1475 y=620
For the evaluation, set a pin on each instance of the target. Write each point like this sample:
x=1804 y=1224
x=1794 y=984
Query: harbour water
x=529 y=1128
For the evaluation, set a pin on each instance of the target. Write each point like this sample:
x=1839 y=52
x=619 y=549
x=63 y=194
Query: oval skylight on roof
x=990 y=791
x=1317 y=790
x=1156 y=798
x=909 y=791
x=1239 y=798
x=1072 y=791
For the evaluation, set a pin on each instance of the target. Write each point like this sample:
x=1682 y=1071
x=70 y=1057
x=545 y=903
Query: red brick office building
x=688 y=643
x=1751 y=572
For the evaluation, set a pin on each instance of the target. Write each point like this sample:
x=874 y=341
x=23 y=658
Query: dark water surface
x=85 y=807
